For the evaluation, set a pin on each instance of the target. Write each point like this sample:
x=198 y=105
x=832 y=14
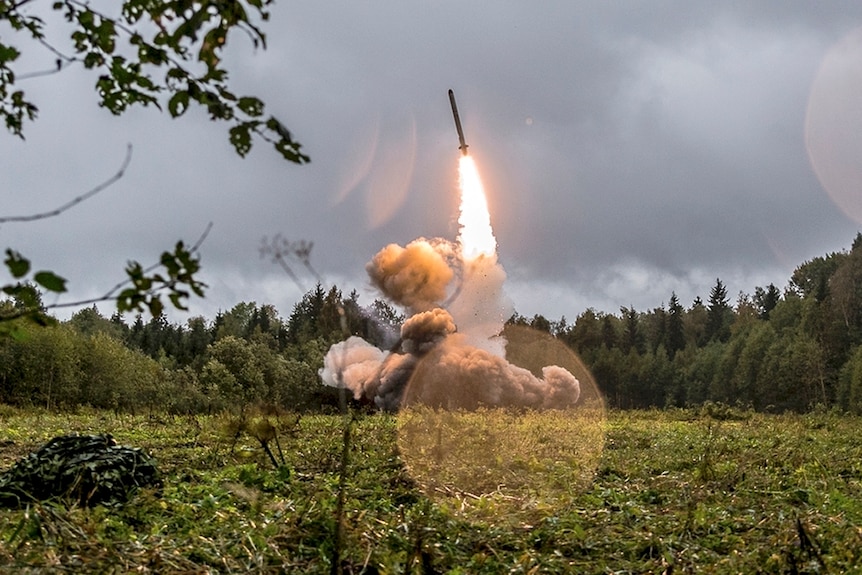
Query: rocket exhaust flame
x=476 y=236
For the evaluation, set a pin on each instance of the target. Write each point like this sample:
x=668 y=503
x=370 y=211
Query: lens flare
x=476 y=236
x=507 y=464
x=833 y=124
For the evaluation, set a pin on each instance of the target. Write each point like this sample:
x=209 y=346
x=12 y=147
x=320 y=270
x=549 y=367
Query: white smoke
x=480 y=308
x=355 y=364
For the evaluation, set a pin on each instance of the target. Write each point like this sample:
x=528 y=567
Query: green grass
x=672 y=492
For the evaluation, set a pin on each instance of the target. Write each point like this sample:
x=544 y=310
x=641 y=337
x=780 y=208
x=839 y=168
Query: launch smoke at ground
x=481 y=409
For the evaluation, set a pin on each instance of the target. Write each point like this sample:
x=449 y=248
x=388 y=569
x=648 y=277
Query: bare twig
x=59 y=67
x=68 y=205
x=279 y=249
x=61 y=63
x=111 y=292
x=47 y=72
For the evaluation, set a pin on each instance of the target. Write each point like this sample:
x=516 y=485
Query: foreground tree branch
x=165 y=53
x=173 y=277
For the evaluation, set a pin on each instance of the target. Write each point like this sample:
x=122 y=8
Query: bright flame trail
x=476 y=236
x=481 y=308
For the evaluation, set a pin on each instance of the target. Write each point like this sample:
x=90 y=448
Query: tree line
x=246 y=355
x=774 y=350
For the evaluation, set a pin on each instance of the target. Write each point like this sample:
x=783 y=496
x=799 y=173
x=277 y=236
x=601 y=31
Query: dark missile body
x=463 y=146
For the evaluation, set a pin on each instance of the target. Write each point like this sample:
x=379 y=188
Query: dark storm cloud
x=628 y=149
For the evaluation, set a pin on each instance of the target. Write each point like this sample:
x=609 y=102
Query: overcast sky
x=628 y=150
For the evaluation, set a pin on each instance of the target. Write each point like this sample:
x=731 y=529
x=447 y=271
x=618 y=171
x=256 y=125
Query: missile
x=463 y=146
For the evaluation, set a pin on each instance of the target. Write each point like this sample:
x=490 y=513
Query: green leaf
x=134 y=270
x=17 y=264
x=8 y=53
x=93 y=59
x=105 y=35
x=86 y=18
x=277 y=127
x=176 y=74
x=156 y=306
x=213 y=41
x=128 y=300
x=241 y=139
x=178 y=104
x=226 y=94
x=170 y=262
x=50 y=281
x=251 y=106
x=290 y=151
x=176 y=299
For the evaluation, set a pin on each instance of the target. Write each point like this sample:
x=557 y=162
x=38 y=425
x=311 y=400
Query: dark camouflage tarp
x=83 y=469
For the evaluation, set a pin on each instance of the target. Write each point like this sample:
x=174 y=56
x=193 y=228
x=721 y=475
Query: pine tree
x=632 y=338
x=656 y=323
x=675 y=333
x=609 y=331
x=766 y=300
x=718 y=313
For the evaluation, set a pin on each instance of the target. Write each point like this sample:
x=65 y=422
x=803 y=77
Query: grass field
x=671 y=492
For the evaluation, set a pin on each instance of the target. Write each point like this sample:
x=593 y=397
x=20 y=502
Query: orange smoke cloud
x=415 y=276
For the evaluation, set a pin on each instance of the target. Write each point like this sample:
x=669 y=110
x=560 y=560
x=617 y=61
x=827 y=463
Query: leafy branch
x=181 y=35
x=173 y=276
x=142 y=288
x=145 y=287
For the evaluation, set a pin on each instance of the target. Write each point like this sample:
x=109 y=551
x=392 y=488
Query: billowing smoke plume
x=445 y=364
x=451 y=352
x=355 y=364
